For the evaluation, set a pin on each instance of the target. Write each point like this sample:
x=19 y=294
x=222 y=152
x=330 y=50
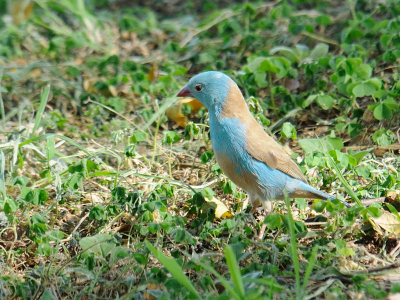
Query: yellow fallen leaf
x=388 y=222
x=174 y=112
x=221 y=211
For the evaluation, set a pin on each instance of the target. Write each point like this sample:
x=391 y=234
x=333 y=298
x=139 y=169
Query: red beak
x=185 y=92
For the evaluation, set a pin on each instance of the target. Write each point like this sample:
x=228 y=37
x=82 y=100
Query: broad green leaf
x=346 y=252
x=288 y=131
x=323 y=20
x=273 y=221
x=364 y=71
x=342 y=160
x=48 y=295
x=336 y=142
x=358 y=156
x=376 y=82
x=312 y=145
x=320 y=50
x=170 y=137
x=260 y=77
x=325 y=101
x=262 y=64
x=286 y=51
x=138 y=136
x=386 y=39
x=308 y=101
x=352 y=160
x=382 y=111
x=278 y=65
x=282 y=64
x=363 y=89
x=100 y=244
x=354 y=129
x=391 y=103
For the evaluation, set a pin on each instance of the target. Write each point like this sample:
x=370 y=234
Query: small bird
x=245 y=152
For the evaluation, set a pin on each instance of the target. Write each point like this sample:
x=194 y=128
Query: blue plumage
x=244 y=151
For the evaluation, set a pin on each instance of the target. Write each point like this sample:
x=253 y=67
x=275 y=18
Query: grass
x=102 y=196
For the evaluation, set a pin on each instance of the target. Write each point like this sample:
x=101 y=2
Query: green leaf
x=282 y=64
x=341 y=159
x=354 y=129
x=364 y=71
x=363 y=89
x=287 y=52
x=48 y=295
x=308 y=101
x=97 y=212
x=358 y=156
x=273 y=221
x=325 y=101
x=346 y=252
x=288 y=131
x=260 y=77
x=278 y=65
x=138 y=136
x=10 y=206
x=172 y=266
x=323 y=20
x=382 y=111
x=320 y=50
x=100 y=244
x=261 y=64
x=376 y=82
x=313 y=145
x=171 y=137
x=336 y=142
x=391 y=103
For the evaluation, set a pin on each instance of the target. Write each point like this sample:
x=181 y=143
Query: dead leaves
x=387 y=223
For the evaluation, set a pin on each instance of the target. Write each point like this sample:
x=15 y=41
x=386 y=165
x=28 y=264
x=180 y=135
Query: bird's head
x=210 y=88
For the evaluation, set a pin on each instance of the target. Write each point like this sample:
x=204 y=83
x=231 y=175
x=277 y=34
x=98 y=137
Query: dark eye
x=198 y=87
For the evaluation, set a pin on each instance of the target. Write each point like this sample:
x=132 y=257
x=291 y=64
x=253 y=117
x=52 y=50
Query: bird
x=247 y=155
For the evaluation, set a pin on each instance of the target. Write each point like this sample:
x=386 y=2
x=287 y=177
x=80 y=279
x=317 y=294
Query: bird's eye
x=198 y=87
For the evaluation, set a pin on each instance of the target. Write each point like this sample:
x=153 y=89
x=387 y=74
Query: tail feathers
x=307 y=191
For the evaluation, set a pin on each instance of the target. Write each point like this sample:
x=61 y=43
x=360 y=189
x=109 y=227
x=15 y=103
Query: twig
x=75 y=229
x=369 y=202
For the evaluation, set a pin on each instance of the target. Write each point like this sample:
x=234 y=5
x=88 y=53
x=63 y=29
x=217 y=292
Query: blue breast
x=228 y=136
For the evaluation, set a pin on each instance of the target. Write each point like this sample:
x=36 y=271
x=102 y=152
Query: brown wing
x=259 y=144
x=264 y=148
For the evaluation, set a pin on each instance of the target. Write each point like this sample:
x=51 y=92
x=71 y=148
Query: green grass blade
x=341 y=178
x=44 y=96
x=2 y=178
x=224 y=282
x=236 y=276
x=159 y=112
x=293 y=248
x=50 y=147
x=2 y=111
x=310 y=266
x=172 y=266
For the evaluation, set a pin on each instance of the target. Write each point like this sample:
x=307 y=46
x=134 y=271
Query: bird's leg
x=261 y=234
x=255 y=202
x=267 y=204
